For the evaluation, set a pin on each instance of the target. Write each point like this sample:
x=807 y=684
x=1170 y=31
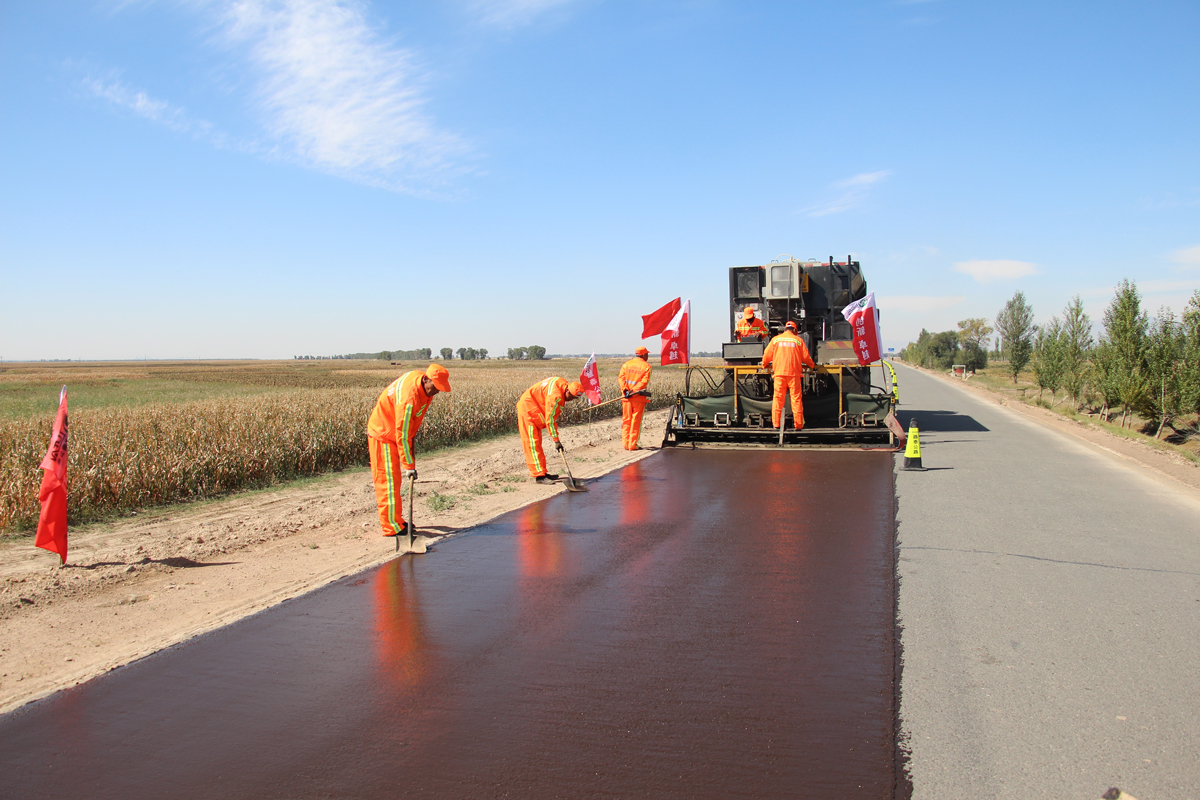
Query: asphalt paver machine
x=845 y=403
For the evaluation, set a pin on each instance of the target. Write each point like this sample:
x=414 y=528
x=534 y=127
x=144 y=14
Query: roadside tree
x=973 y=336
x=1049 y=358
x=1189 y=373
x=1016 y=328
x=1125 y=330
x=1077 y=346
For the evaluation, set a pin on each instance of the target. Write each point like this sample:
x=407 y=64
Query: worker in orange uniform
x=538 y=408
x=633 y=379
x=750 y=326
x=395 y=420
x=787 y=355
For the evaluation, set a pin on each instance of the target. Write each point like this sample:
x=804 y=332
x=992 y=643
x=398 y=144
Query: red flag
x=864 y=317
x=656 y=323
x=590 y=378
x=676 y=339
x=52 y=522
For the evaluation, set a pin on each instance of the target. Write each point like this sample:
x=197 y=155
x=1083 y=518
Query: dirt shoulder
x=136 y=586
x=1172 y=468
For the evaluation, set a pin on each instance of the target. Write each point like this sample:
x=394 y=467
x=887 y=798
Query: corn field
x=129 y=457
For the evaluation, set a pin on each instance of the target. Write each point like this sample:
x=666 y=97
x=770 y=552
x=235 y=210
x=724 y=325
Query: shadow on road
x=946 y=422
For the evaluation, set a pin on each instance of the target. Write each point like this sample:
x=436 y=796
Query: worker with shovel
x=633 y=379
x=538 y=408
x=394 y=422
x=787 y=355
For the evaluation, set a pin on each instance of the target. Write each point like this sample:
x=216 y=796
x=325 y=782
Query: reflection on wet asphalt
x=701 y=624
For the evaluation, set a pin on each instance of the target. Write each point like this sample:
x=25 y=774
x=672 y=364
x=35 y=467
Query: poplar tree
x=1164 y=351
x=1189 y=373
x=1048 y=358
x=1016 y=328
x=1125 y=330
x=1077 y=346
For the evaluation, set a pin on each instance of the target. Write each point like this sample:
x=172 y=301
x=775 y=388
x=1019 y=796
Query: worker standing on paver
x=787 y=355
x=750 y=326
x=633 y=379
x=538 y=408
x=395 y=420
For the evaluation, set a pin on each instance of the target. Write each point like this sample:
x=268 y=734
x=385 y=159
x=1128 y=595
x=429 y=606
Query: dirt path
x=1160 y=463
x=133 y=587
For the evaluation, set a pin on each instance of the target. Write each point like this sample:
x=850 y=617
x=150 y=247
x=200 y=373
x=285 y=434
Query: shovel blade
x=574 y=485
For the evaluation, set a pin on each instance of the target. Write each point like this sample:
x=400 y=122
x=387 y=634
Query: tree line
x=1143 y=365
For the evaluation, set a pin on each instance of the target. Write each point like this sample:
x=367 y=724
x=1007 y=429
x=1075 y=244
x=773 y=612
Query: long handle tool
x=569 y=482
x=412 y=490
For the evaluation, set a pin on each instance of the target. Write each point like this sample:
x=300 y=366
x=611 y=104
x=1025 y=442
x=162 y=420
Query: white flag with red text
x=590 y=378
x=676 y=339
x=863 y=316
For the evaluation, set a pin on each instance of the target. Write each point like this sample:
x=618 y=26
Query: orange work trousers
x=632 y=409
x=782 y=384
x=529 y=420
x=385 y=472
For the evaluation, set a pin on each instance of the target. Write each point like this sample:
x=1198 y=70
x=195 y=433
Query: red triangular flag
x=52 y=522
x=590 y=378
x=657 y=322
x=676 y=339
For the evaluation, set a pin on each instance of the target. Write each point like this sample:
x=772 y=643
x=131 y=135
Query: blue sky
x=266 y=178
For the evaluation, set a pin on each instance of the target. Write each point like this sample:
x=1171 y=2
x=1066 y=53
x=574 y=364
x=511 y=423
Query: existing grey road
x=1050 y=603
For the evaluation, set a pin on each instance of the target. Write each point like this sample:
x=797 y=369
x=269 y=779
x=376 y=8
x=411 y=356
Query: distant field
x=151 y=433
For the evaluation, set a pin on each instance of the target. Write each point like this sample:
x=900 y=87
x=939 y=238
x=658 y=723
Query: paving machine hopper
x=845 y=403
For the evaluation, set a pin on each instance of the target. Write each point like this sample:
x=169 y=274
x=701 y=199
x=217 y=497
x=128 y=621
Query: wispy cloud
x=850 y=193
x=512 y=13
x=1000 y=270
x=1187 y=256
x=143 y=105
x=336 y=95
x=918 y=304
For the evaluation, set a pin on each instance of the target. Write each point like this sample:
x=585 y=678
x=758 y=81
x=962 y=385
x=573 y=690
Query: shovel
x=412 y=545
x=569 y=481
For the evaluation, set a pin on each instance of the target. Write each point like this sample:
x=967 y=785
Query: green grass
x=440 y=502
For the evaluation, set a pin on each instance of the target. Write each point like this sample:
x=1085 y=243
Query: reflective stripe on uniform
x=533 y=450
x=391 y=488
x=405 y=439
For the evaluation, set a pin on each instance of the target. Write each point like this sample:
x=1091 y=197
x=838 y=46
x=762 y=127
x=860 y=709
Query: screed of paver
x=700 y=624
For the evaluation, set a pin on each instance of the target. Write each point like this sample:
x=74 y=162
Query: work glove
x=405 y=474
x=628 y=394
x=558 y=445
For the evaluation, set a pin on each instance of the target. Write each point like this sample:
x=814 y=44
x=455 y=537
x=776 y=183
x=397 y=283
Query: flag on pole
x=864 y=317
x=52 y=522
x=676 y=338
x=656 y=322
x=590 y=378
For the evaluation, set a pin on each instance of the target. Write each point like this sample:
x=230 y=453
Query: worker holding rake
x=394 y=422
x=540 y=407
x=787 y=355
x=633 y=379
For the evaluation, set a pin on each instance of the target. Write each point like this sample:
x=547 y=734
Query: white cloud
x=1001 y=270
x=154 y=110
x=511 y=13
x=335 y=95
x=1187 y=256
x=851 y=193
x=918 y=304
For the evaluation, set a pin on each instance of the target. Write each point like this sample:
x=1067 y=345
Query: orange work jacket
x=634 y=375
x=788 y=353
x=545 y=400
x=398 y=414
x=747 y=328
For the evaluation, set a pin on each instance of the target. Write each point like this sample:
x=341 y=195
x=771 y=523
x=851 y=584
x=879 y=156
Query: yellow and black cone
x=912 y=452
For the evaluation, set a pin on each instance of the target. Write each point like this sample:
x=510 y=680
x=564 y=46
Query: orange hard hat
x=576 y=388
x=748 y=312
x=791 y=326
x=440 y=377
x=641 y=351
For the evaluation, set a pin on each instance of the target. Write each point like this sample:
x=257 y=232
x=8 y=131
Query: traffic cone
x=912 y=452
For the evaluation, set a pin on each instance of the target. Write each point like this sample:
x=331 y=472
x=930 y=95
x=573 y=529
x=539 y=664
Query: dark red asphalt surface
x=701 y=624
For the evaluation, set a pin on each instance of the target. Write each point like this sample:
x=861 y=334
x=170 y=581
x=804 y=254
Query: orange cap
x=641 y=351
x=748 y=312
x=791 y=326
x=576 y=388
x=440 y=377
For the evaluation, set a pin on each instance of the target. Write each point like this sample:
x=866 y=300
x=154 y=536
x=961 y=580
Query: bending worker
x=751 y=326
x=394 y=422
x=787 y=355
x=633 y=379
x=540 y=407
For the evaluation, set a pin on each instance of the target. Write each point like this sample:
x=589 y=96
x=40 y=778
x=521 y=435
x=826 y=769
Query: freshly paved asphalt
x=1050 y=604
